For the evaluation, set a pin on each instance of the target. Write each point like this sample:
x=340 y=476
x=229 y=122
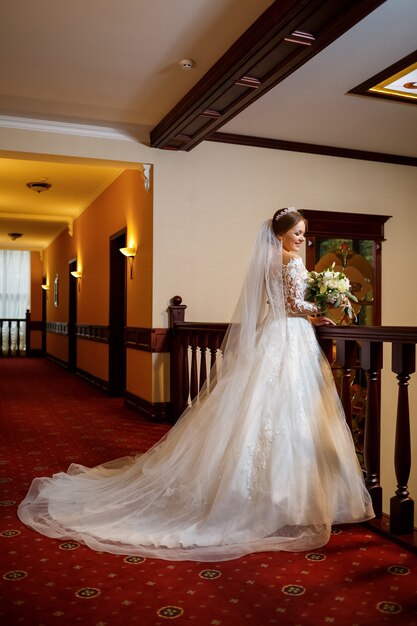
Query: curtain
x=14 y=298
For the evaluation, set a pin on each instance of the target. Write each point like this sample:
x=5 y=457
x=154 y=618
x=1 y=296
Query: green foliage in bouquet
x=330 y=289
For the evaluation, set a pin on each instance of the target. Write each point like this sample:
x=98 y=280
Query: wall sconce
x=78 y=276
x=130 y=253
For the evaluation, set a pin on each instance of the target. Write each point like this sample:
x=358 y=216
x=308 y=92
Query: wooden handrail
x=390 y=334
x=349 y=349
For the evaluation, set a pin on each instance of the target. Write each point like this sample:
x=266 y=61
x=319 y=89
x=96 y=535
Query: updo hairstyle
x=285 y=219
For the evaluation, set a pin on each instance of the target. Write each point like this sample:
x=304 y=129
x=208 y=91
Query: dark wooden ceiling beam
x=282 y=39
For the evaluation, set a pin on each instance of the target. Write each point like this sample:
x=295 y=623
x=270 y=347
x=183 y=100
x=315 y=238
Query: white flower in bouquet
x=330 y=288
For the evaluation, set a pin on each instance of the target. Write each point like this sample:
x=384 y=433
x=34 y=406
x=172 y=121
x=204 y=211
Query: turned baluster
x=203 y=365
x=213 y=347
x=10 y=338
x=213 y=362
x=194 y=373
x=18 y=338
x=213 y=356
x=371 y=362
x=185 y=387
x=28 y=329
x=346 y=355
x=401 y=505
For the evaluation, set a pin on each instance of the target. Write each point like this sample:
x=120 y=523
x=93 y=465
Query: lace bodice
x=294 y=284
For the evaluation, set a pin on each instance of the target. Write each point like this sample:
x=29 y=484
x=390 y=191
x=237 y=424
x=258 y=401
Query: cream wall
x=209 y=204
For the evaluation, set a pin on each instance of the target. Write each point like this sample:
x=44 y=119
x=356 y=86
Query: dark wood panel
x=95 y=380
x=56 y=360
x=58 y=328
x=117 y=314
x=148 y=339
x=36 y=325
x=356 y=225
x=35 y=352
x=382 y=527
x=137 y=338
x=154 y=411
x=93 y=332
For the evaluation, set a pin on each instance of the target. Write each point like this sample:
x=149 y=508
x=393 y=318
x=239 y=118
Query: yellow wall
x=56 y=259
x=92 y=357
x=57 y=346
x=36 y=271
x=139 y=374
x=124 y=204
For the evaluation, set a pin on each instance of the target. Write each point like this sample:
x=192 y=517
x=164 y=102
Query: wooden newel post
x=176 y=313
x=401 y=505
x=371 y=362
x=345 y=357
x=28 y=329
x=327 y=346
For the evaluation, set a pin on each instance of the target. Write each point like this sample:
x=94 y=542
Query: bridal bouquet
x=330 y=289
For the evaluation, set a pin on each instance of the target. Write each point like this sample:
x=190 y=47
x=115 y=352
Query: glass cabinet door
x=356 y=259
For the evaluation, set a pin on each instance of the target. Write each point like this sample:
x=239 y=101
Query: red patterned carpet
x=51 y=418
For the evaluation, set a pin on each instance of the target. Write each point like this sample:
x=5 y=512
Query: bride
x=264 y=461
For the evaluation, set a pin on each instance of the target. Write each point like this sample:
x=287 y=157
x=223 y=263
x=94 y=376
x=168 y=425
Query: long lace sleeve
x=295 y=275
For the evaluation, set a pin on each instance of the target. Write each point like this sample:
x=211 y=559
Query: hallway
x=51 y=418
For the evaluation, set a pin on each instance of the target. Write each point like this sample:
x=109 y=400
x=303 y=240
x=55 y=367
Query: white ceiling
x=115 y=63
x=40 y=217
x=111 y=62
x=313 y=106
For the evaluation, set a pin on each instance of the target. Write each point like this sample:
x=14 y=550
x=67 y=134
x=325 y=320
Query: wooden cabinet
x=353 y=241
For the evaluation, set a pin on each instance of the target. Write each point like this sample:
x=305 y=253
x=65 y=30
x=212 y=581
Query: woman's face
x=293 y=238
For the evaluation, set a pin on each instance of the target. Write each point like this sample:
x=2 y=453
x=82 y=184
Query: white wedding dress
x=264 y=462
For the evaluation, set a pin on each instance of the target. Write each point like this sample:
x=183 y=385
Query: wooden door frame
x=117 y=314
x=72 y=315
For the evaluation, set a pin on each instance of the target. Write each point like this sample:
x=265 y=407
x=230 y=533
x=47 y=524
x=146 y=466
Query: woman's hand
x=322 y=321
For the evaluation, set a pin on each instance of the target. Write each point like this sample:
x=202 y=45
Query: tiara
x=290 y=209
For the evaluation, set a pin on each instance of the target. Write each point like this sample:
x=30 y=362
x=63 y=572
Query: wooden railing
x=362 y=346
x=8 y=347
x=348 y=349
x=24 y=327
x=189 y=373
